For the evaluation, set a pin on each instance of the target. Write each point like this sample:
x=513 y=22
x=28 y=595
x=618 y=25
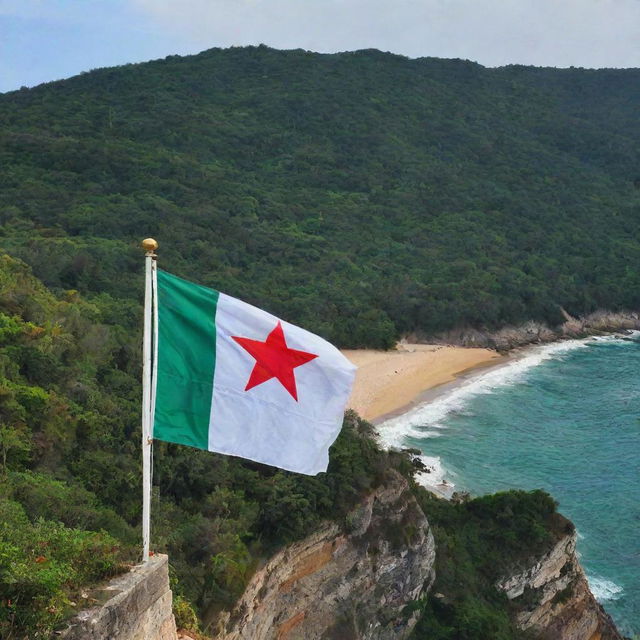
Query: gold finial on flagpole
x=149 y=245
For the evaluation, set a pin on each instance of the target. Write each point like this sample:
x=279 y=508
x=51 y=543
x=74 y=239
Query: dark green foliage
x=563 y=596
x=41 y=496
x=478 y=542
x=361 y=195
x=72 y=472
x=43 y=565
x=69 y=450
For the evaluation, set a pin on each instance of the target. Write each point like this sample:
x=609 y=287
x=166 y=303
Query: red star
x=274 y=359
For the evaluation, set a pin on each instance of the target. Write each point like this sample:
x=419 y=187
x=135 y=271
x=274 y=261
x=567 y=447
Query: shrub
x=42 y=567
x=185 y=615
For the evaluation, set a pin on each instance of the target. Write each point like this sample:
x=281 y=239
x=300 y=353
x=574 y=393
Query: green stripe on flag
x=186 y=361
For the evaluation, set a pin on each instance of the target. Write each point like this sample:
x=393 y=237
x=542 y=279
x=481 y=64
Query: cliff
x=336 y=585
x=552 y=598
x=365 y=584
x=367 y=580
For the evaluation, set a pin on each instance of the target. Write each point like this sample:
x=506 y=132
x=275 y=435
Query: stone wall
x=136 y=606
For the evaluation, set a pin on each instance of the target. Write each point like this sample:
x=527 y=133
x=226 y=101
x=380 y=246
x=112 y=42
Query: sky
x=44 y=40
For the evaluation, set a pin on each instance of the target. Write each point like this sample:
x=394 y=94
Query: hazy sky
x=42 y=40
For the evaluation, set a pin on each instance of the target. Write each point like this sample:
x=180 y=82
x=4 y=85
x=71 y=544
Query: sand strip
x=389 y=382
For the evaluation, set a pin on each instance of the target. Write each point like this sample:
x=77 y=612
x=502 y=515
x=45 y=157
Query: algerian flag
x=234 y=379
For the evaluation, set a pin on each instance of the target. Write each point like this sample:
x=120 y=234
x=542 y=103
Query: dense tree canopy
x=70 y=466
x=359 y=194
x=70 y=495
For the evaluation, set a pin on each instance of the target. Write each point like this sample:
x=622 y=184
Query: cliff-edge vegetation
x=70 y=476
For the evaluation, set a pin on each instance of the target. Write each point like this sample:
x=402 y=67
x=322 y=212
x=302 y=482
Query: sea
x=564 y=417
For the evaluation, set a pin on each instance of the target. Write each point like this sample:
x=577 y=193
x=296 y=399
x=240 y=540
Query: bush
x=42 y=567
x=478 y=541
x=43 y=496
x=185 y=615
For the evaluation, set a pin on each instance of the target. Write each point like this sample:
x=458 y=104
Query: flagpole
x=149 y=245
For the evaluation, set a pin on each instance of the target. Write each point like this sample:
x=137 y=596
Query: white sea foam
x=620 y=339
x=425 y=419
x=436 y=477
x=604 y=589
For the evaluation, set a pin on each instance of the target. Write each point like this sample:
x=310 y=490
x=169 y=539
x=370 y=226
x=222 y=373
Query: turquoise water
x=565 y=418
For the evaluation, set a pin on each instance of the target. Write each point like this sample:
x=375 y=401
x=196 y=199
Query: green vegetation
x=43 y=566
x=361 y=195
x=70 y=486
x=478 y=542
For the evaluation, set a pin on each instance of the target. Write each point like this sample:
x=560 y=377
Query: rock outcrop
x=512 y=337
x=553 y=599
x=136 y=606
x=356 y=585
x=356 y=582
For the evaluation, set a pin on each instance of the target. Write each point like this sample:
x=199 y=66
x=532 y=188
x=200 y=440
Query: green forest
x=70 y=494
x=360 y=195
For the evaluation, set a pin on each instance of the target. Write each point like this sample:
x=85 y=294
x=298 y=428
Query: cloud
x=43 y=40
x=52 y=10
x=589 y=33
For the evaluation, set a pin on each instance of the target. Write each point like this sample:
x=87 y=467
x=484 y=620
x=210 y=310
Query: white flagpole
x=154 y=363
x=149 y=245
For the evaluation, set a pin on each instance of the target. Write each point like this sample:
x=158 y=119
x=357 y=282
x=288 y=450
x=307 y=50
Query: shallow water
x=566 y=418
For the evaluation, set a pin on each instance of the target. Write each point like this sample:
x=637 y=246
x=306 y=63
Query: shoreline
x=431 y=472
x=432 y=393
x=390 y=383
x=389 y=426
x=444 y=379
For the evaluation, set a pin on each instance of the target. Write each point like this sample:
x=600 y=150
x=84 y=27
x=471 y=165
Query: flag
x=234 y=379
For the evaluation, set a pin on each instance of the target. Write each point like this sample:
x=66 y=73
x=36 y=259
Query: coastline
x=390 y=383
x=431 y=393
x=393 y=427
x=459 y=369
x=439 y=398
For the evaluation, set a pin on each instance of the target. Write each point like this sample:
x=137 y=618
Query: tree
x=12 y=439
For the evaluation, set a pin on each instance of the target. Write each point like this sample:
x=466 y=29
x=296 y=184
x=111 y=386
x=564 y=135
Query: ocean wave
x=604 y=589
x=430 y=415
x=616 y=338
x=436 y=478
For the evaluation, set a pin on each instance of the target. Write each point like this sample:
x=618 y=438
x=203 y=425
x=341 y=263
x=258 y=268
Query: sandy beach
x=389 y=382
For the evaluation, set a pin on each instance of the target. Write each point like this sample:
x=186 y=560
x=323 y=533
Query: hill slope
x=359 y=194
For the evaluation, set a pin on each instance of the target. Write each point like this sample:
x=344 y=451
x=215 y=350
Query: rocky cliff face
x=360 y=585
x=553 y=599
x=357 y=585
x=354 y=585
x=599 y=322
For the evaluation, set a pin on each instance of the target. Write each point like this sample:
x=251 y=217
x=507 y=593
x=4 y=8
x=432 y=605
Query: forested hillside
x=70 y=485
x=361 y=195
x=70 y=466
